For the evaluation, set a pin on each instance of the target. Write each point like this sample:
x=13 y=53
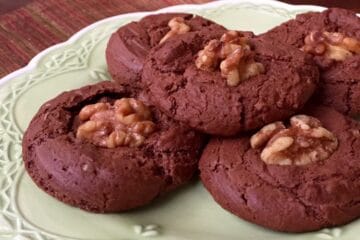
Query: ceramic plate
x=190 y=213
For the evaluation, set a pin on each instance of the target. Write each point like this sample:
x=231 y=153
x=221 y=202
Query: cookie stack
x=266 y=119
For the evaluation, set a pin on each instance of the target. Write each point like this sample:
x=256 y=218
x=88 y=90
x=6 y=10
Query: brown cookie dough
x=339 y=80
x=203 y=99
x=299 y=197
x=105 y=178
x=130 y=44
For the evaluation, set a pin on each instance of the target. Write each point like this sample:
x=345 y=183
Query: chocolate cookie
x=99 y=149
x=306 y=178
x=332 y=37
x=225 y=82
x=130 y=44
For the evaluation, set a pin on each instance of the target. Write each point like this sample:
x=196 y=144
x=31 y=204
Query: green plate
x=190 y=213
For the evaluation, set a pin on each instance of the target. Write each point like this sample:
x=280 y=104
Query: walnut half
x=332 y=45
x=177 y=26
x=232 y=55
x=303 y=142
x=125 y=123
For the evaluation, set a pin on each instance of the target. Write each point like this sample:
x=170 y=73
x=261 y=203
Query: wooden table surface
x=29 y=26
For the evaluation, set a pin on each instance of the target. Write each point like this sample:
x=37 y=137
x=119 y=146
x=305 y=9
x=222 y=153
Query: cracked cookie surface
x=104 y=179
x=287 y=198
x=339 y=80
x=129 y=45
x=204 y=101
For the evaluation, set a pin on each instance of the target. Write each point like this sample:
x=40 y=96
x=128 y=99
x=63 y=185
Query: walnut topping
x=333 y=45
x=265 y=133
x=177 y=26
x=232 y=55
x=125 y=123
x=303 y=142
